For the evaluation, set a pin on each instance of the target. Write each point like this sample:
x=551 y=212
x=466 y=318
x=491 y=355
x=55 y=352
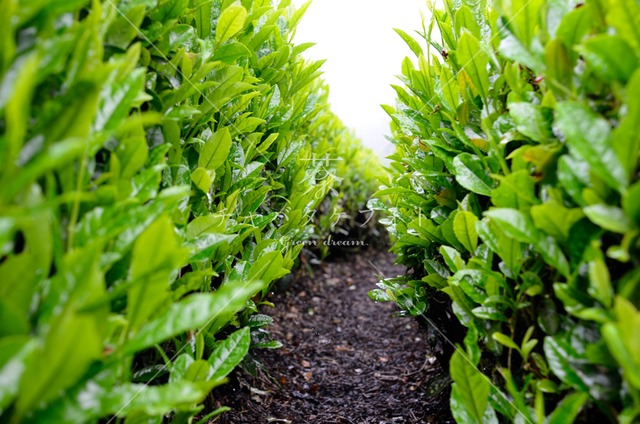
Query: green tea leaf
x=464 y=20
x=464 y=227
x=124 y=28
x=611 y=58
x=559 y=354
x=554 y=219
x=230 y=53
x=201 y=178
x=600 y=281
x=519 y=226
x=203 y=20
x=505 y=340
x=155 y=254
x=471 y=386
x=192 y=313
x=575 y=26
x=452 y=258
x=472 y=174
x=515 y=224
x=267 y=268
x=627 y=135
x=533 y=121
x=622 y=341
x=609 y=217
x=60 y=361
x=126 y=400
x=559 y=66
x=230 y=22
x=568 y=409
x=413 y=44
x=15 y=355
x=516 y=190
x=228 y=353
x=215 y=150
x=523 y=16
x=624 y=16
x=589 y=137
x=474 y=61
x=631 y=203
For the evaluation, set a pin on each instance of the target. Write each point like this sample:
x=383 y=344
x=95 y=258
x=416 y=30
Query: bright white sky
x=363 y=55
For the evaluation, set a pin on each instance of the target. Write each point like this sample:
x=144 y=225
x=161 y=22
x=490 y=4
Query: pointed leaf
x=464 y=227
x=472 y=174
x=589 y=137
x=192 y=313
x=474 y=60
x=229 y=353
x=215 y=150
x=472 y=387
x=230 y=23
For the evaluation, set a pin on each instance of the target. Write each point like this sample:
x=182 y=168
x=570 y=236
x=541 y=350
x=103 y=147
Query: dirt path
x=345 y=359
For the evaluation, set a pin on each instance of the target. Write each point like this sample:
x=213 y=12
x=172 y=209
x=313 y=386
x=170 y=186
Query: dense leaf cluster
x=515 y=193
x=162 y=161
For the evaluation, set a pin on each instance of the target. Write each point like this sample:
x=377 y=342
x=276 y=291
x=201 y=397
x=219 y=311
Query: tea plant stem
x=75 y=209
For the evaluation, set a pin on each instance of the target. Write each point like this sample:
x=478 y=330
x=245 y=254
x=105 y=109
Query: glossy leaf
x=192 y=313
x=559 y=354
x=589 y=137
x=228 y=353
x=471 y=386
x=474 y=61
x=608 y=217
x=532 y=120
x=472 y=174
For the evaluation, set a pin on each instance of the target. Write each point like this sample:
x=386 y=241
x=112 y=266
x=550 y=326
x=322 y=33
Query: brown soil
x=345 y=359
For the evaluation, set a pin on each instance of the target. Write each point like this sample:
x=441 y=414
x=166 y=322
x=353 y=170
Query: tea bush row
x=515 y=197
x=161 y=160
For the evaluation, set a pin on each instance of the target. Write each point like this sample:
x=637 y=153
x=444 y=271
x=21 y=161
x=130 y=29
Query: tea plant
x=515 y=196
x=161 y=160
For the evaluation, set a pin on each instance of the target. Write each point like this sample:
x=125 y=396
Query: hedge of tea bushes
x=161 y=161
x=515 y=197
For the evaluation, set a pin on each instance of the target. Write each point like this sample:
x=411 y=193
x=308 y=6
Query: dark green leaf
x=589 y=137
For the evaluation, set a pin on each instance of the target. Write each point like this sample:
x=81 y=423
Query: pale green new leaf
x=230 y=22
x=624 y=16
x=609 y=217
x=474 y=61
x=413 y=44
